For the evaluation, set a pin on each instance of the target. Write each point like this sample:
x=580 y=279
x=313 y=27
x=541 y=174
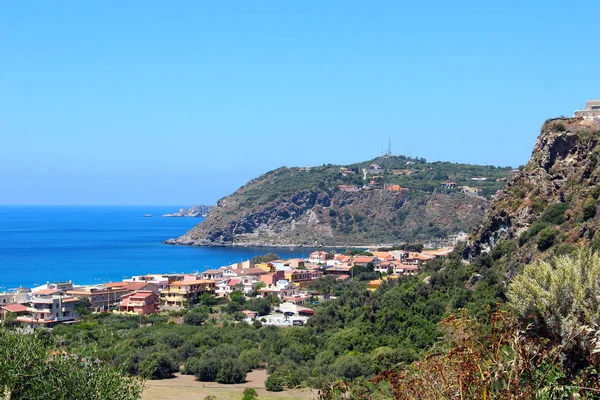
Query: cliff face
x=549 y=206
x=295 y=207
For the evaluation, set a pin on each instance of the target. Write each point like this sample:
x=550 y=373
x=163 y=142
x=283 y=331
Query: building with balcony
x=182 y=293
x=142 y=302
x=49 y=307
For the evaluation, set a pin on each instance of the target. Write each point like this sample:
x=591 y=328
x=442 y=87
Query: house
x=348 y=188
x=49 y=307
x=267 y=267
x=18 y=309
x=394 y=188
x=181 y=293
x=272 y=278
x=100 y=297
x=281 y=289
x=374 y=284
x=225 y=287
x=448 y=185
x=470 y=190
x=364 y=260
x=405 y=269
x=301 y=277
x=142 y=302
x=319 y=257
x=340 y=270
x=295 y=263
x=213 y=274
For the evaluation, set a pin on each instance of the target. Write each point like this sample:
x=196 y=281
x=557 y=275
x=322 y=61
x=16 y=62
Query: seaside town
x=284 y=282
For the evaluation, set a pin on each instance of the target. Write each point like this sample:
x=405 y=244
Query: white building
x=49 y=307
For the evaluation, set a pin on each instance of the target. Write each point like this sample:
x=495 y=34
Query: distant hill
x=381 y=201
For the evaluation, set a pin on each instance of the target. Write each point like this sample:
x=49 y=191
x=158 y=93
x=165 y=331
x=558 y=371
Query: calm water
x=102 y=244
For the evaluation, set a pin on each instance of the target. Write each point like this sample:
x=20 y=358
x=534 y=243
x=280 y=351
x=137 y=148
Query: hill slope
x=550 y=205
x=305 y=206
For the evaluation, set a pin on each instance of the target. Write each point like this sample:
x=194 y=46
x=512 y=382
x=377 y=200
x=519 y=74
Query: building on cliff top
x=591 y=111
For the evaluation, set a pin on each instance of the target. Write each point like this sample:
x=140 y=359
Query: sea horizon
x=89 y=244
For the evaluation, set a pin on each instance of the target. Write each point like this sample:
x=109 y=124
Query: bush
x=555 y=214
x=562 y=297
x=589 y=208
x=232 y=371
x=533 y=230
x=546 y=238
x=195 y=318
x=249 y=394
x=274 y=383
x=158 y=366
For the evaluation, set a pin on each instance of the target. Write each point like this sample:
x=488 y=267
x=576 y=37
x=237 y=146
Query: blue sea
x=40 y=244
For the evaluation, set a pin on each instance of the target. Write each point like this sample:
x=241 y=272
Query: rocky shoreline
x=192 y=212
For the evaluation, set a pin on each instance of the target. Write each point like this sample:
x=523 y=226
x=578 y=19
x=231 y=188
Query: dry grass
x=186 y=387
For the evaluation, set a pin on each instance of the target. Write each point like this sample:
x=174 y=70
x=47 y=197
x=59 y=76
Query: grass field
x=186 y=387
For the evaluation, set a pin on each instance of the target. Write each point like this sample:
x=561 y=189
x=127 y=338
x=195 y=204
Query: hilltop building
x=591 y=111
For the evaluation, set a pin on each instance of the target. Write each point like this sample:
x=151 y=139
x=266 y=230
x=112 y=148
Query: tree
x=261 y=306
x=232 y=371
x=41 y=372
x=237 y=297
x=195 y=318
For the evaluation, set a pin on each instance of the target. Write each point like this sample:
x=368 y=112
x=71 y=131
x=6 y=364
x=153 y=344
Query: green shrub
x=232 y=371
x=589 y=208
x=555 y=214
x=274 y=383
x=249 y=394
x=596 y=192
x=546 y=238
x=195 y=318
x=533 y=230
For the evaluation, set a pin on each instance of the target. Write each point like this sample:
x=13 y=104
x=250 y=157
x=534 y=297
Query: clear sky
x=160 y=102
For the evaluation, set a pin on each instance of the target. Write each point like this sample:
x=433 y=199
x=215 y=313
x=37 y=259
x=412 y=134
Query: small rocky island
x=194 y=212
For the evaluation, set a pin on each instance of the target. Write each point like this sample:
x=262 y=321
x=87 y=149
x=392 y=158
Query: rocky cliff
x=306 y=207
x=549 y=206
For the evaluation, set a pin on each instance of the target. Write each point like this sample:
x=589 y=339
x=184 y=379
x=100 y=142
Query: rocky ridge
x=549 y=206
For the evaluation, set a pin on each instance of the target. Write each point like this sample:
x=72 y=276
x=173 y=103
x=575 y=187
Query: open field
x=186 y=387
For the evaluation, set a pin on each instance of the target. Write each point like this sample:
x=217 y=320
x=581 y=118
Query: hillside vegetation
x=305 y=206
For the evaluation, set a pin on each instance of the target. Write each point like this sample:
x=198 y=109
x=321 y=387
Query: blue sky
x=154 y=102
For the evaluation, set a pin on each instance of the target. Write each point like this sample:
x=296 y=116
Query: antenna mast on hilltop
x=389 y=151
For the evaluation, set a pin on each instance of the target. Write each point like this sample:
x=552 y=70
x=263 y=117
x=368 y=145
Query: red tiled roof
x=15 y=308
x=46 y=291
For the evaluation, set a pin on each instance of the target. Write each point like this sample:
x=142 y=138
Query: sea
x=98 y=244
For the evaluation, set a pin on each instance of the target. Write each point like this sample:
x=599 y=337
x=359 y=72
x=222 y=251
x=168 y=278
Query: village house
x=394 y=188
x=363 y=261
x=272 y=278
x=100 y=297
x=470 y=190
x=267 y=267
x=14 y=308
x=348 y=188
x=48 y=307
x=448 y=185
x=339 y=270
x=212 y=274
x=281 y=289
x=182 y=293
x=142 y=302
x=319 y=257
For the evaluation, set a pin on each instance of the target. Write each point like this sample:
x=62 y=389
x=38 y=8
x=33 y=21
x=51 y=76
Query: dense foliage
x=29 y=369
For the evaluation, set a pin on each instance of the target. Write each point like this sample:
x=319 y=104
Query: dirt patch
x=186 y=387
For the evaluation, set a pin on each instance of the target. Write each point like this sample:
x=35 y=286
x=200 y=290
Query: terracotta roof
x=138 y=285
x=46 y=291
x=364 y=259
x=213 y=271
x=15 y=308
x=249 y=271
x=233 y=282
x=70 y=300
x=115 y=284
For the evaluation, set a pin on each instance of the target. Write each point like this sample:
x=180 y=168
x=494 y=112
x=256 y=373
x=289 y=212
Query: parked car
x=298 y=322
